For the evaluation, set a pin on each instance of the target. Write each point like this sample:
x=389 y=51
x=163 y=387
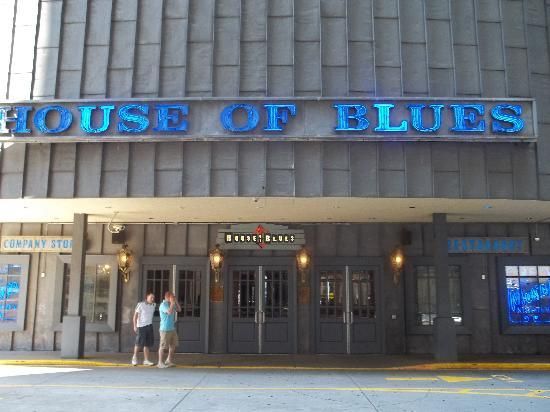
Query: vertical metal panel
x=253 y=80
x=169 y=169
x=174 y=48
x=347 y=240
x=224 y=161
x=227 y=35
x=12 y=169
x=196 y=169
x=280 y=48
x=473 y=176
x=148 y=48
x=36 y=181
x=418 y=163
x=23 y=49
x=197 y=240
x=7 y=22
x=176 y=240
x=122 y=48
x=72 y=48
x=200 y=48
x=114 y=178
x=62 y=170
x=361 y=47
x=307 y=52
x=334 y=48
x=47 y=50
x=308 y=157
x=252 y=169
x=280 y=169
x=88 y=169
x=96 y=52
x=369 y=240
x=141 y=173
x=325 y=240
x=525 y=173
x=336 y=169
x=364 y=169
x=155 y=240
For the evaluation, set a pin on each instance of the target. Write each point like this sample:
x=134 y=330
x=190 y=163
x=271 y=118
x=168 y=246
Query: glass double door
x=347 y=309
x=261 y=308
x=188 y=283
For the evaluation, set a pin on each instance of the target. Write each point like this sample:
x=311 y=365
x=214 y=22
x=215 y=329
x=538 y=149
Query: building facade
x=279 y=117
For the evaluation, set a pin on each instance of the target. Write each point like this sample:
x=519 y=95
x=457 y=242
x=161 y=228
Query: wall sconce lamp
x=125 y=259
x=216 y=256
x=397 y=260
x=303 y=261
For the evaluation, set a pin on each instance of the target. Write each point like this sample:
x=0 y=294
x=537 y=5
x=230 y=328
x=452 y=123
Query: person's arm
x=178 y=307
x=170 y=309
x=136 y=317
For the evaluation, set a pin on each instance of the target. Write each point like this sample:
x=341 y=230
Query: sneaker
x=148 y=363
x=169 y=364
x=134 y=361
x=162 y=366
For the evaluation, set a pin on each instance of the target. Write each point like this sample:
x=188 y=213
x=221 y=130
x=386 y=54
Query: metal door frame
x=174 y=262
x=260 y=263
x=346 y=263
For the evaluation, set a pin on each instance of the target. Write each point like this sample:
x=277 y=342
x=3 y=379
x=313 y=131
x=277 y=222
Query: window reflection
x=95 y=294
x=10 y=282
x=426 y=303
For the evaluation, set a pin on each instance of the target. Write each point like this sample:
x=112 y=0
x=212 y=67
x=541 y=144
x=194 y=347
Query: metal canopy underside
x=272 y=209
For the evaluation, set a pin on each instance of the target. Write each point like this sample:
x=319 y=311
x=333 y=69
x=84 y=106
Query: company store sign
x=34 y=244
x=298 y=119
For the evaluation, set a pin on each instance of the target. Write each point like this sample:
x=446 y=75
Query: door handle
x=351 y=317
x=345 y=317
x=255 y=317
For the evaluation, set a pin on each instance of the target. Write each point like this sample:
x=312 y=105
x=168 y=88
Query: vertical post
x=444 y=326
x=72 y=341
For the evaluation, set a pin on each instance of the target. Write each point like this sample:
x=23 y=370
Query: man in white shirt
x=143 y=327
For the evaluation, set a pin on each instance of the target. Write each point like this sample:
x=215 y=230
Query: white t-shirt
x=146 y=312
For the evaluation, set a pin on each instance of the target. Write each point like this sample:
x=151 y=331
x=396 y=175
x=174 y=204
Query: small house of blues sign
x=262 y=236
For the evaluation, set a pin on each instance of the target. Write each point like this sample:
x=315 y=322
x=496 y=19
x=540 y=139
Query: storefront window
x=14 y=271
x=426 y=298
x=10 y=284
x=528 y=294
x=95 y=304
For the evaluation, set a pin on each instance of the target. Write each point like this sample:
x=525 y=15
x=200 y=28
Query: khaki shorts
x=168 y=339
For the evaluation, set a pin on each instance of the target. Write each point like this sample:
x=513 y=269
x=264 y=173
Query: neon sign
x=295 y=119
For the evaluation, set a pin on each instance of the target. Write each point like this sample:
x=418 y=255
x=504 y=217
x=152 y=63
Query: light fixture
x=536 y=237
x=125 y=259
x=303 y=261
x=397 y=260
x=216 y=256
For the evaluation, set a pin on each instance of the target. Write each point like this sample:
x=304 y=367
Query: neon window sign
x=10 y=284
x=528 y=294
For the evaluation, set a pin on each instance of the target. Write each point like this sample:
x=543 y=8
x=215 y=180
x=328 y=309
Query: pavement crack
x=201 y=380
x=362 y=392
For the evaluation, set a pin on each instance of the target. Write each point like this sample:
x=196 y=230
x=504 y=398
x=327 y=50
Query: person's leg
x=161 y=348
x=171 y=350
x=145 y=354
x=136 y=350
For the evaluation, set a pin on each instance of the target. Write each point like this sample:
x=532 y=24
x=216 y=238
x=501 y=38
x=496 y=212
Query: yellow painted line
x=455 y=379
x=415 y=378
x=508 y=366
x=508 y=392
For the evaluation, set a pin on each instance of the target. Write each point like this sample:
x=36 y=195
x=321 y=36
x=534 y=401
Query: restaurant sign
x=295 y=119
x=496 y=245
x=33 y=244
x=260 y=237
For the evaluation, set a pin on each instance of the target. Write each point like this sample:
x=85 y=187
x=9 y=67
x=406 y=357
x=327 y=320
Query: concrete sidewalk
x=297 y=362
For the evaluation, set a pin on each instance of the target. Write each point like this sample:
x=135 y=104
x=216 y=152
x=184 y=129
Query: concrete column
x=444 y=326
x=74 y=324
